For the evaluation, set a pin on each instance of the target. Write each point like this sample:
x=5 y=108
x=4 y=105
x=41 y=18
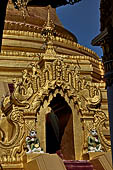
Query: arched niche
x=72 y=122
x=59 y=128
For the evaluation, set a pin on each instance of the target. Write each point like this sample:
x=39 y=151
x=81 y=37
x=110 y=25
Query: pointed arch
x=77 y=125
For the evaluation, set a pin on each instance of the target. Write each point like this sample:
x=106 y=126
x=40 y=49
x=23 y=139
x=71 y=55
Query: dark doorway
x=56 y=122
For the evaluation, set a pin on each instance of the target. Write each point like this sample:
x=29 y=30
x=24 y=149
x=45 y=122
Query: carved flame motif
x=39 y=82
x=36 y=85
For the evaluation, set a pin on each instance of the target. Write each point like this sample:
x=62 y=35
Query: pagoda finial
x=48 y=16
x=48 y=32
x=49 y=25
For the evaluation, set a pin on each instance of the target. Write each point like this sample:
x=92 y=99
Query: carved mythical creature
x=23 y=91
x=33 y=144
x=95 y=100
x=86 y=100
x=94 y=144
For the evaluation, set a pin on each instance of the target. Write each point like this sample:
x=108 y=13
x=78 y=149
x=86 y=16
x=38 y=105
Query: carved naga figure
x=94 y=101
x=23 y=91
x=88 y=97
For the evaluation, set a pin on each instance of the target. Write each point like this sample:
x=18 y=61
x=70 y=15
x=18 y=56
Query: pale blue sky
x=83 y=20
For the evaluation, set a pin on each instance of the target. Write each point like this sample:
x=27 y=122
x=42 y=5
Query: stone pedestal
x=103 y=162
x=92 y=155
x=44 y=162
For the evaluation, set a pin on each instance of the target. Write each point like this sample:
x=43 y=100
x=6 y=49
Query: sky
x=83 y=20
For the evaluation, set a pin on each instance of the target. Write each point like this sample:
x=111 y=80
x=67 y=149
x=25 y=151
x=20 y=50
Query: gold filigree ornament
x=21 y=5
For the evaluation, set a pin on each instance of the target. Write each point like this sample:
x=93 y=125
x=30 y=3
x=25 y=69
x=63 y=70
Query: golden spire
x=48 y=17
x=48 y=33
x=48 y=28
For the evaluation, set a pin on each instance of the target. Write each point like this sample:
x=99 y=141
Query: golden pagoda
x=49 y=84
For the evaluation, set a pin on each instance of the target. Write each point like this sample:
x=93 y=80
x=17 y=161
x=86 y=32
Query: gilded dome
x=33 y=20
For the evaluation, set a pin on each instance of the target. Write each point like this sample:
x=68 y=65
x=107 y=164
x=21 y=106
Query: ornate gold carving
x=11 y=145
x=101 y=121
x=6 y=101
x=21 y=5
x=27 y=107
x=44 y=81
x=57 y=74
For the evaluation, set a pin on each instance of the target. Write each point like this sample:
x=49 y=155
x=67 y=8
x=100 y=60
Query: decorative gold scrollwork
x=38 y=84
x=101 y=122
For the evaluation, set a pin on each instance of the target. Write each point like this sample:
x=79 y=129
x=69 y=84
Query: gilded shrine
x=58 y=89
